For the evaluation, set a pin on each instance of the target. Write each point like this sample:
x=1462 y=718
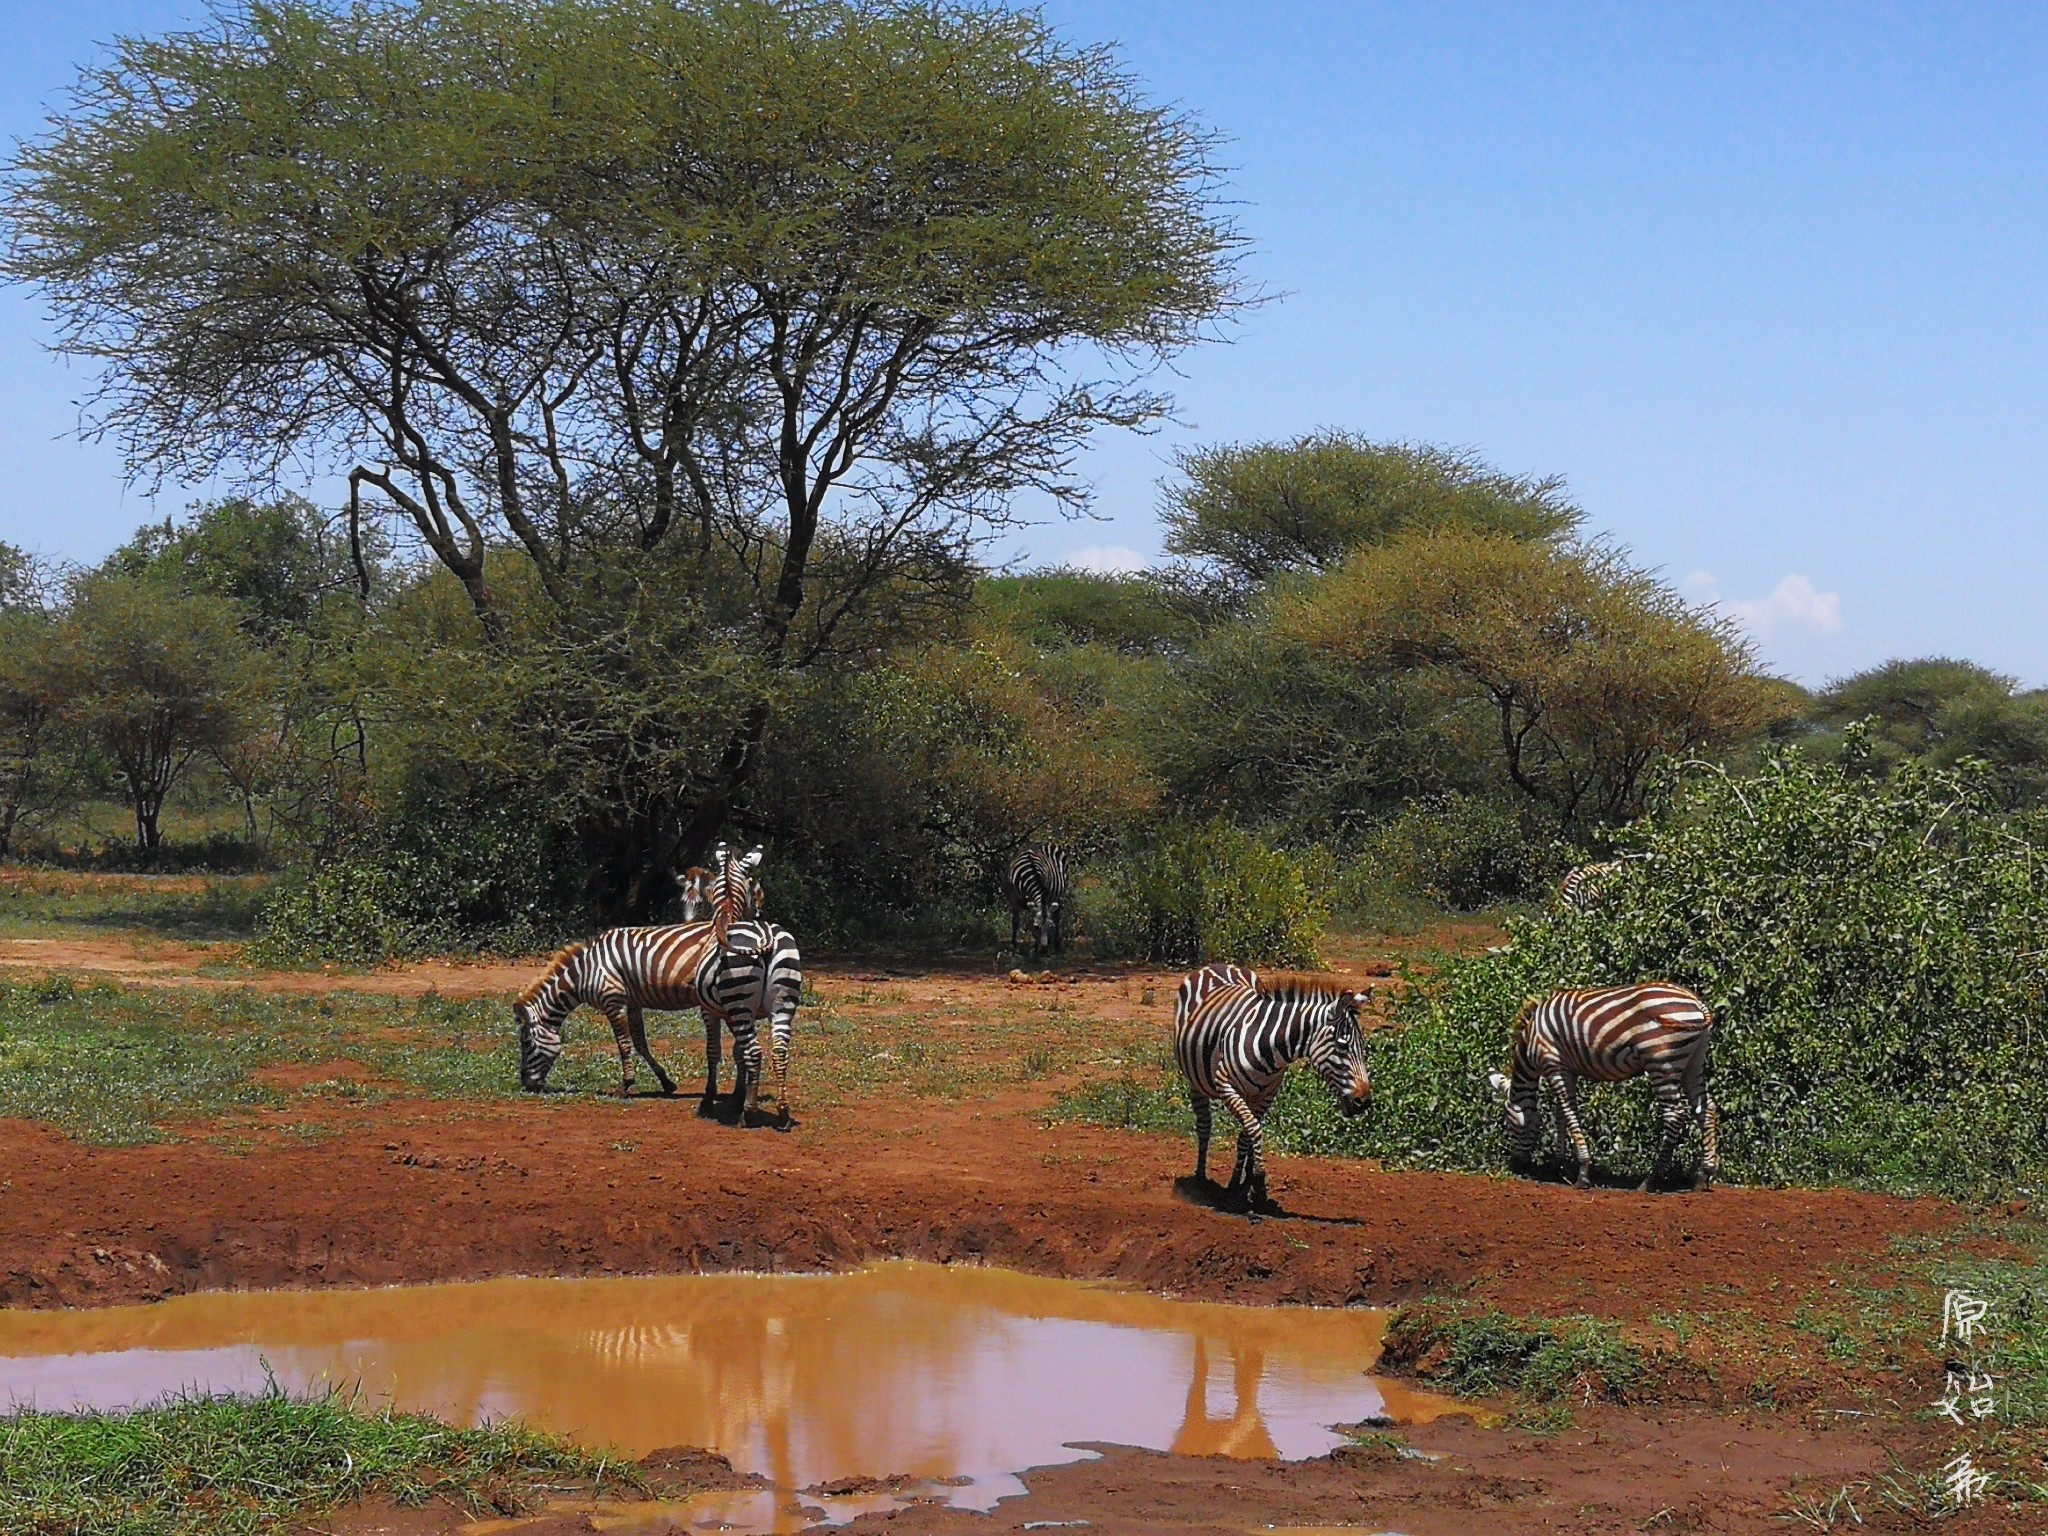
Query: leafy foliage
x=1870 y=949
x=1199 y=894
x=1592 y=670
x=1462 y=851
x=1943 y=711
x=1254 y=511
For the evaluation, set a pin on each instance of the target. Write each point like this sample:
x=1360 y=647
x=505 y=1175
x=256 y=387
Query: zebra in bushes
x=1039 y=878
x=1607 y=1035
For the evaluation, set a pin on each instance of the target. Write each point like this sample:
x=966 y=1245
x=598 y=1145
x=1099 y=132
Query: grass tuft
x=1474 y=1352
x=227 y=1466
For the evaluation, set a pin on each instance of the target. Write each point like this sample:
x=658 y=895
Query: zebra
x=1197 y=985
x=1580 y=888
x=755 y=974
x=1038 y=877
x=697 y=884
x=1236 y=1040
x=1610 y=1034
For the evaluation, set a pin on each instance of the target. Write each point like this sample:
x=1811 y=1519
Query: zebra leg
x=1203 y=1125
x=751 y=1111
x=1708 y=1116
x=1670 y=1129
x=637 y=1023
x=615 y=1010
x=1248 y=1179
x=1566 y=1089
x=714 y=1052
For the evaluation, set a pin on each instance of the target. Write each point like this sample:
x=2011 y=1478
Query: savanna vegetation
x=680 y=364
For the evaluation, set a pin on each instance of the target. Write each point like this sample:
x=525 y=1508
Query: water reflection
x=925 y=1371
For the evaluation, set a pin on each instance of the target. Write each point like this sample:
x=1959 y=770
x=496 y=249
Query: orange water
x=940 y=1373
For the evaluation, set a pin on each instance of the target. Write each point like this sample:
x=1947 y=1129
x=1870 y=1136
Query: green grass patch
x=220 y=1466
x=118 y=1067
x=1481 y=1352
x=52 y=904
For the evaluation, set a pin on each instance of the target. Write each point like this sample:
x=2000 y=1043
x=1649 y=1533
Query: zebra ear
x=752 y=860
x=720 y=854
x=1499 y=1082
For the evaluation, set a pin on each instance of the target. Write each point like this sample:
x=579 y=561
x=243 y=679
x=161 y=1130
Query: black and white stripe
x=1038 y=879
x=1608 y=1035
x=758 y=975
x=755 y=975
x=1236 y=1039
x=731 y=883
x=1580 y=889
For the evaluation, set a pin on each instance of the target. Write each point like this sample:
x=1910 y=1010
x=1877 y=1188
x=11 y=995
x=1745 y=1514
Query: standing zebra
x=1580 y=889
x=698 y=883
x=1237 y=1039
x=1039 y=877
x=1609 y=1034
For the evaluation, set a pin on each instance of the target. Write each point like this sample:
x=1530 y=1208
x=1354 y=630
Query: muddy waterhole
x=944 y=1381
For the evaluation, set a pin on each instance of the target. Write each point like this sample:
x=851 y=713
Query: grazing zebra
x=1609 y=1034
x=1580 y=889
x=1239 y=1037
x=756 y=974
x=1038 y=877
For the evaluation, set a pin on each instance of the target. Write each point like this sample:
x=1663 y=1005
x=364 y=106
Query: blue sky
x=1767 y=284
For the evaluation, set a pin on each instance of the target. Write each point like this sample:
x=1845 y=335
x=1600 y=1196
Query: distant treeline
x=1394 y=670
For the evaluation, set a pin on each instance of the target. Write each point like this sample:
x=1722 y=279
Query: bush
x=440 y=873
x=1462 y=852
x=1215 y=893
x=1871 y=951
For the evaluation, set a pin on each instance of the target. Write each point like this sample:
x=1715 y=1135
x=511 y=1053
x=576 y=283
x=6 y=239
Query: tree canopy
x=825 y=285
x=1254 y=511
x=1592 y=669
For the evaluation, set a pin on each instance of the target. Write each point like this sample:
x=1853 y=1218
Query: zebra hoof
x=1584 y=1180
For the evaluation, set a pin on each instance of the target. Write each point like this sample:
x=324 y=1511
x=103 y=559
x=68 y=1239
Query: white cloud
x=1108 y=559
x=1795 y=606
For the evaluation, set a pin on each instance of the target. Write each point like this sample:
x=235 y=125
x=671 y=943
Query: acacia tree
x=1591 y=669
x=1253 y=511
x=32 y=777
x=152 y=678
x=846 y=275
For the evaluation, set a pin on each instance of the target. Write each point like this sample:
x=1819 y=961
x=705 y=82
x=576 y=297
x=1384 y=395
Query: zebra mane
x=1303 y=986
x=557 y=963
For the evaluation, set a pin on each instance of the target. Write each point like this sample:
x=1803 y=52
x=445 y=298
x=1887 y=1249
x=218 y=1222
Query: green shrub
x=1472 y=1352
x=1871 y=949
x=439 y=873
x=1462 y=852
x=1215 y=893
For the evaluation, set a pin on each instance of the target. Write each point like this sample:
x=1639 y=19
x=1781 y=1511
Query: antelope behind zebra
x=1039 y=878
x=1608 y=1035
x=1235 y=1036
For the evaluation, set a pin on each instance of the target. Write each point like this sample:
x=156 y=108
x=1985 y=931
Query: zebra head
x=540 y=1044
x=539 y=1013
x=1521 y=1104
x=696 y=893
x=1337 y=1051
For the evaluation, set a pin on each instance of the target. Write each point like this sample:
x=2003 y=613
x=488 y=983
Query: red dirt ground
x=414 y=1191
